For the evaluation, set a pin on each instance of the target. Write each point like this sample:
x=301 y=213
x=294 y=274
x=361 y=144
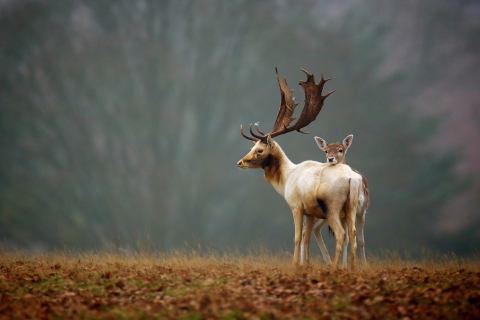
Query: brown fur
x=366 y=191
x=333 y=150
x=273 y=170
x=268 y=159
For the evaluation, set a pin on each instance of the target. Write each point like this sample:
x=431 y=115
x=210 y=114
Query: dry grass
x=189 y=284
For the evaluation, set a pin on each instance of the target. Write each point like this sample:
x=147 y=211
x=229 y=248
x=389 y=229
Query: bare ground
x=190 y=285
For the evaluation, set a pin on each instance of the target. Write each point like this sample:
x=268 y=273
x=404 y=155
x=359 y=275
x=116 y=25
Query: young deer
x=312 y=189
x=335 y=153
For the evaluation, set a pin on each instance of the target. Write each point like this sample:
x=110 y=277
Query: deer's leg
x=361 y=239
x=350 y=217
x=307 y=236
x=317 y=226
x=335 y=224
x=302 y=246
x=345 y=246
x=298 y=220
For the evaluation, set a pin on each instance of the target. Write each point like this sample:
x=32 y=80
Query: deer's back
x=314 y=187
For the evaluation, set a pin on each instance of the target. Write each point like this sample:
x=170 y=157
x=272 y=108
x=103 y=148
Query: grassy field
x=192 y=285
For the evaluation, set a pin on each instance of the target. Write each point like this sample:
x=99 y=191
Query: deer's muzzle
x=241 y=164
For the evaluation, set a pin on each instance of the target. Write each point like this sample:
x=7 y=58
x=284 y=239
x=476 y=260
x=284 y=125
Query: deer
x=311 y=189
x=336 y=154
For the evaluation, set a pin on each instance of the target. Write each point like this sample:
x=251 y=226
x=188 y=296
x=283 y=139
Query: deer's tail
x=354 y=194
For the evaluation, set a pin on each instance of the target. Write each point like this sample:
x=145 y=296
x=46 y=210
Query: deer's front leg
x=312 y=224
x=302 y=245
x=321 y=244
x=307 y=236
x=298 y=220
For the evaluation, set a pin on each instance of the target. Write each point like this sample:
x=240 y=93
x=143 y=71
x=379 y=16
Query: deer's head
x=335 y=151
x=261 y=152
x=260 y=156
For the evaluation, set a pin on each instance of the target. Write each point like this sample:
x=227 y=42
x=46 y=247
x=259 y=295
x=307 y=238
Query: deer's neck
x=277 y=168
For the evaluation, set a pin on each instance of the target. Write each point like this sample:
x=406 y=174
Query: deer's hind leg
x=337 y=228
x=350 y=218
x=345 y=245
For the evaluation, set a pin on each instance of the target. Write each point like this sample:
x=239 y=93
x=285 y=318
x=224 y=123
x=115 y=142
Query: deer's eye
x=341 y=150
x=326 y=151
x=259 y=151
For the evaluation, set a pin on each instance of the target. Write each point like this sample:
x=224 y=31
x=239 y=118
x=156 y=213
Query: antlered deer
x=312 y=189
x=335 y=154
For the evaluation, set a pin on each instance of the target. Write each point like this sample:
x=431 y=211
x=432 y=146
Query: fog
x=119 y=121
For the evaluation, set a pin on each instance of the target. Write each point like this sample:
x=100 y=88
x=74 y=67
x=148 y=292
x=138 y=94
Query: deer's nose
x=239 y=163
x=330 y=159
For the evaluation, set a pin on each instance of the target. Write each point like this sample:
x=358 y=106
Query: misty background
x=119 y=120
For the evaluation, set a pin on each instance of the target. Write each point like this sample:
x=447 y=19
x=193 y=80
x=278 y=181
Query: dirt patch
x=107 y=286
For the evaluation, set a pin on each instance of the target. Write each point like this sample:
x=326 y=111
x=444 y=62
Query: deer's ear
x=322 y=144
x=347 y=142
x=269 y=141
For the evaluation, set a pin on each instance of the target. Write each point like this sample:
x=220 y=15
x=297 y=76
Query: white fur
x=318 y=223
x=338 y=186
x=310 y=180
x=347 y=142
x=322 y=144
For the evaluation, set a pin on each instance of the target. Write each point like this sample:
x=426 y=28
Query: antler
x=287 y=105
x=312 y=106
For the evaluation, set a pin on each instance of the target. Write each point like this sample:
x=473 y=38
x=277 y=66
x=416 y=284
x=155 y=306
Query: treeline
x=119 y=121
